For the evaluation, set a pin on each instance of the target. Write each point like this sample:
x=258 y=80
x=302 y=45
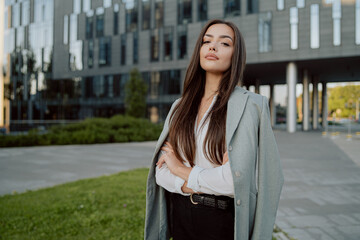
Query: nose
x=212 y=47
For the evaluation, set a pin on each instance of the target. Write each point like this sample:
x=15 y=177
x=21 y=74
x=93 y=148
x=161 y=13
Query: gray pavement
x=320 y=198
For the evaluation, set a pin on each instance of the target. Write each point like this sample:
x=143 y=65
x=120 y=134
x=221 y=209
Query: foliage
x=110 y=207
x=93 y=130
x=342 y=100
x=135 y=95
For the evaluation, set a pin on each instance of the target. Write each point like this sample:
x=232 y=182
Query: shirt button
x=230 y=148
x=238 y=202
x=237 y=173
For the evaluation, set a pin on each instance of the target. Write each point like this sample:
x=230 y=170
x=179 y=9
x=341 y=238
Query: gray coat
x=255 y=165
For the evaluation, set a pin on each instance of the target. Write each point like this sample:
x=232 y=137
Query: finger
x=166 y=149
x=161 y=161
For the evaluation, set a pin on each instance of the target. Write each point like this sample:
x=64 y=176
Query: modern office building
x=70 y=59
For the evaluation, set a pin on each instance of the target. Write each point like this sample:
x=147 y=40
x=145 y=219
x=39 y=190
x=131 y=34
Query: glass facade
x=202 y=10
x=135 y=48
x=159 y=13
x=252 y=6
x=168 y=43
x=231 y=8
x=154 y=45
x=99 y=22
x=146 y=12
x=264 y=31
x=357 y=22
x=116 y=19
x=182 y=41
x=89 y=28
x=123 y=49
x=184 y=11
x=300 y=3
x=105 y=51
x=131 y=15
x=336 y=15
x=314 y=26
x=90 y=59
x=294 y=28
x=280 y=4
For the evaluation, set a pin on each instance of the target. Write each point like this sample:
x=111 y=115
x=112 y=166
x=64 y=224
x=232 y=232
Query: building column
x=324 y=106
x=272 y=106
x=291 y=80
x=257 y=85
x=315 y=118
x=306 y=101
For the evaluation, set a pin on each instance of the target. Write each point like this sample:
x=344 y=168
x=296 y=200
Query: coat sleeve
x=270 y=178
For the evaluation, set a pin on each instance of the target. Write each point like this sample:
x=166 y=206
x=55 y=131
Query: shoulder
x=254 y=99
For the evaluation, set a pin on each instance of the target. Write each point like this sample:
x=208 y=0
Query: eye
x=205 y=42
x=225 y=44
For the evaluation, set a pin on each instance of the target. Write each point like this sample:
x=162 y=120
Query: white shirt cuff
x=193 y=182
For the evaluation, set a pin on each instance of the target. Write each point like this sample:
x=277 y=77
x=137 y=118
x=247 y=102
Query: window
x=265 y=44
x=252 y=6
x=182 y=42
x=294 y=28
x=135 y=48
x=76 y=6
x=168 y=43
x=357 y=22
x=25 y=11
x=231 y=8
x=109 y=79
x=202 y=10
x=90 y=53
x=76 y=56
x=169 y=82
x=336 y=15
x=131 y=16
x=15 y=15
x=73 y=27
x=146 y=14
x=100 y=22
x=66 y=29
x=105 y=51
x=300 y=3
x=154 y=43
x=159 y=13
x=314 y=26
x=86 y=5
x=116 y=19
x=123 y=49
x=107 y=3
x=89 y=25
x=184 y=11
x=280 y=5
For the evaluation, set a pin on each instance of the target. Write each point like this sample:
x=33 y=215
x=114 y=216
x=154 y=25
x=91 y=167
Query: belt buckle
x=192 y=201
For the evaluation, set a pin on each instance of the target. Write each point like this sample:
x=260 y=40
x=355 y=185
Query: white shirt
x=205 y=176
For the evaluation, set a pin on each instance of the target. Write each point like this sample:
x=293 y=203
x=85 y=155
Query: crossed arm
x=178 y=168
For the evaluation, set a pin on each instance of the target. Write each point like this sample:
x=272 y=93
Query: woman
x=218 y=174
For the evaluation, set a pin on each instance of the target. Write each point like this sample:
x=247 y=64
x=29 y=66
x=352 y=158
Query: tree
x=342 y=99
x=135 y=95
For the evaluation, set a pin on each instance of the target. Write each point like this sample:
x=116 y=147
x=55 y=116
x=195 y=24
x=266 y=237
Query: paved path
x=320 y=198
x=321 y=194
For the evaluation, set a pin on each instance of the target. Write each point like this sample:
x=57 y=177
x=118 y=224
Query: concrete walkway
x=321 y=195
x=320 y=198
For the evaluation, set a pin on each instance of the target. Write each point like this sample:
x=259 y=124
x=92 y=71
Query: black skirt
x=188 y=221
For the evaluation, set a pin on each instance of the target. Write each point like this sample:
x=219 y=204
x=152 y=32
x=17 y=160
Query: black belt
x=220 y=202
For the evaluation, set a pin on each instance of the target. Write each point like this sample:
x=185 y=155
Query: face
x=217 y=48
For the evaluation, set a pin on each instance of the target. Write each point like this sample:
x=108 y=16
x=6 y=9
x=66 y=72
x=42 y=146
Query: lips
x=211 y=56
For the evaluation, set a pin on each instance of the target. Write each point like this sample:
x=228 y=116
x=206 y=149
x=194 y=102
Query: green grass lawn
x=109 y=207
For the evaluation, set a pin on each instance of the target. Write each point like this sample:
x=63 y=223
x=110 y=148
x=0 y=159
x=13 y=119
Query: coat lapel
x=235 y=109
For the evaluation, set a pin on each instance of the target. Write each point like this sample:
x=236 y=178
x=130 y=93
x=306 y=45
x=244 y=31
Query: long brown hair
x=181 y=131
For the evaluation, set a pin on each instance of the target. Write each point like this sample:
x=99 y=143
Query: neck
x=212 y=84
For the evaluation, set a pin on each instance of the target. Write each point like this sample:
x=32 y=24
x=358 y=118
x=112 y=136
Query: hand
x=225 y=158
x=170 y=159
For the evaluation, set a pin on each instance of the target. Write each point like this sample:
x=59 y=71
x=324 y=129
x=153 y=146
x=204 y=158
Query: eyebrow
x=221 y=36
